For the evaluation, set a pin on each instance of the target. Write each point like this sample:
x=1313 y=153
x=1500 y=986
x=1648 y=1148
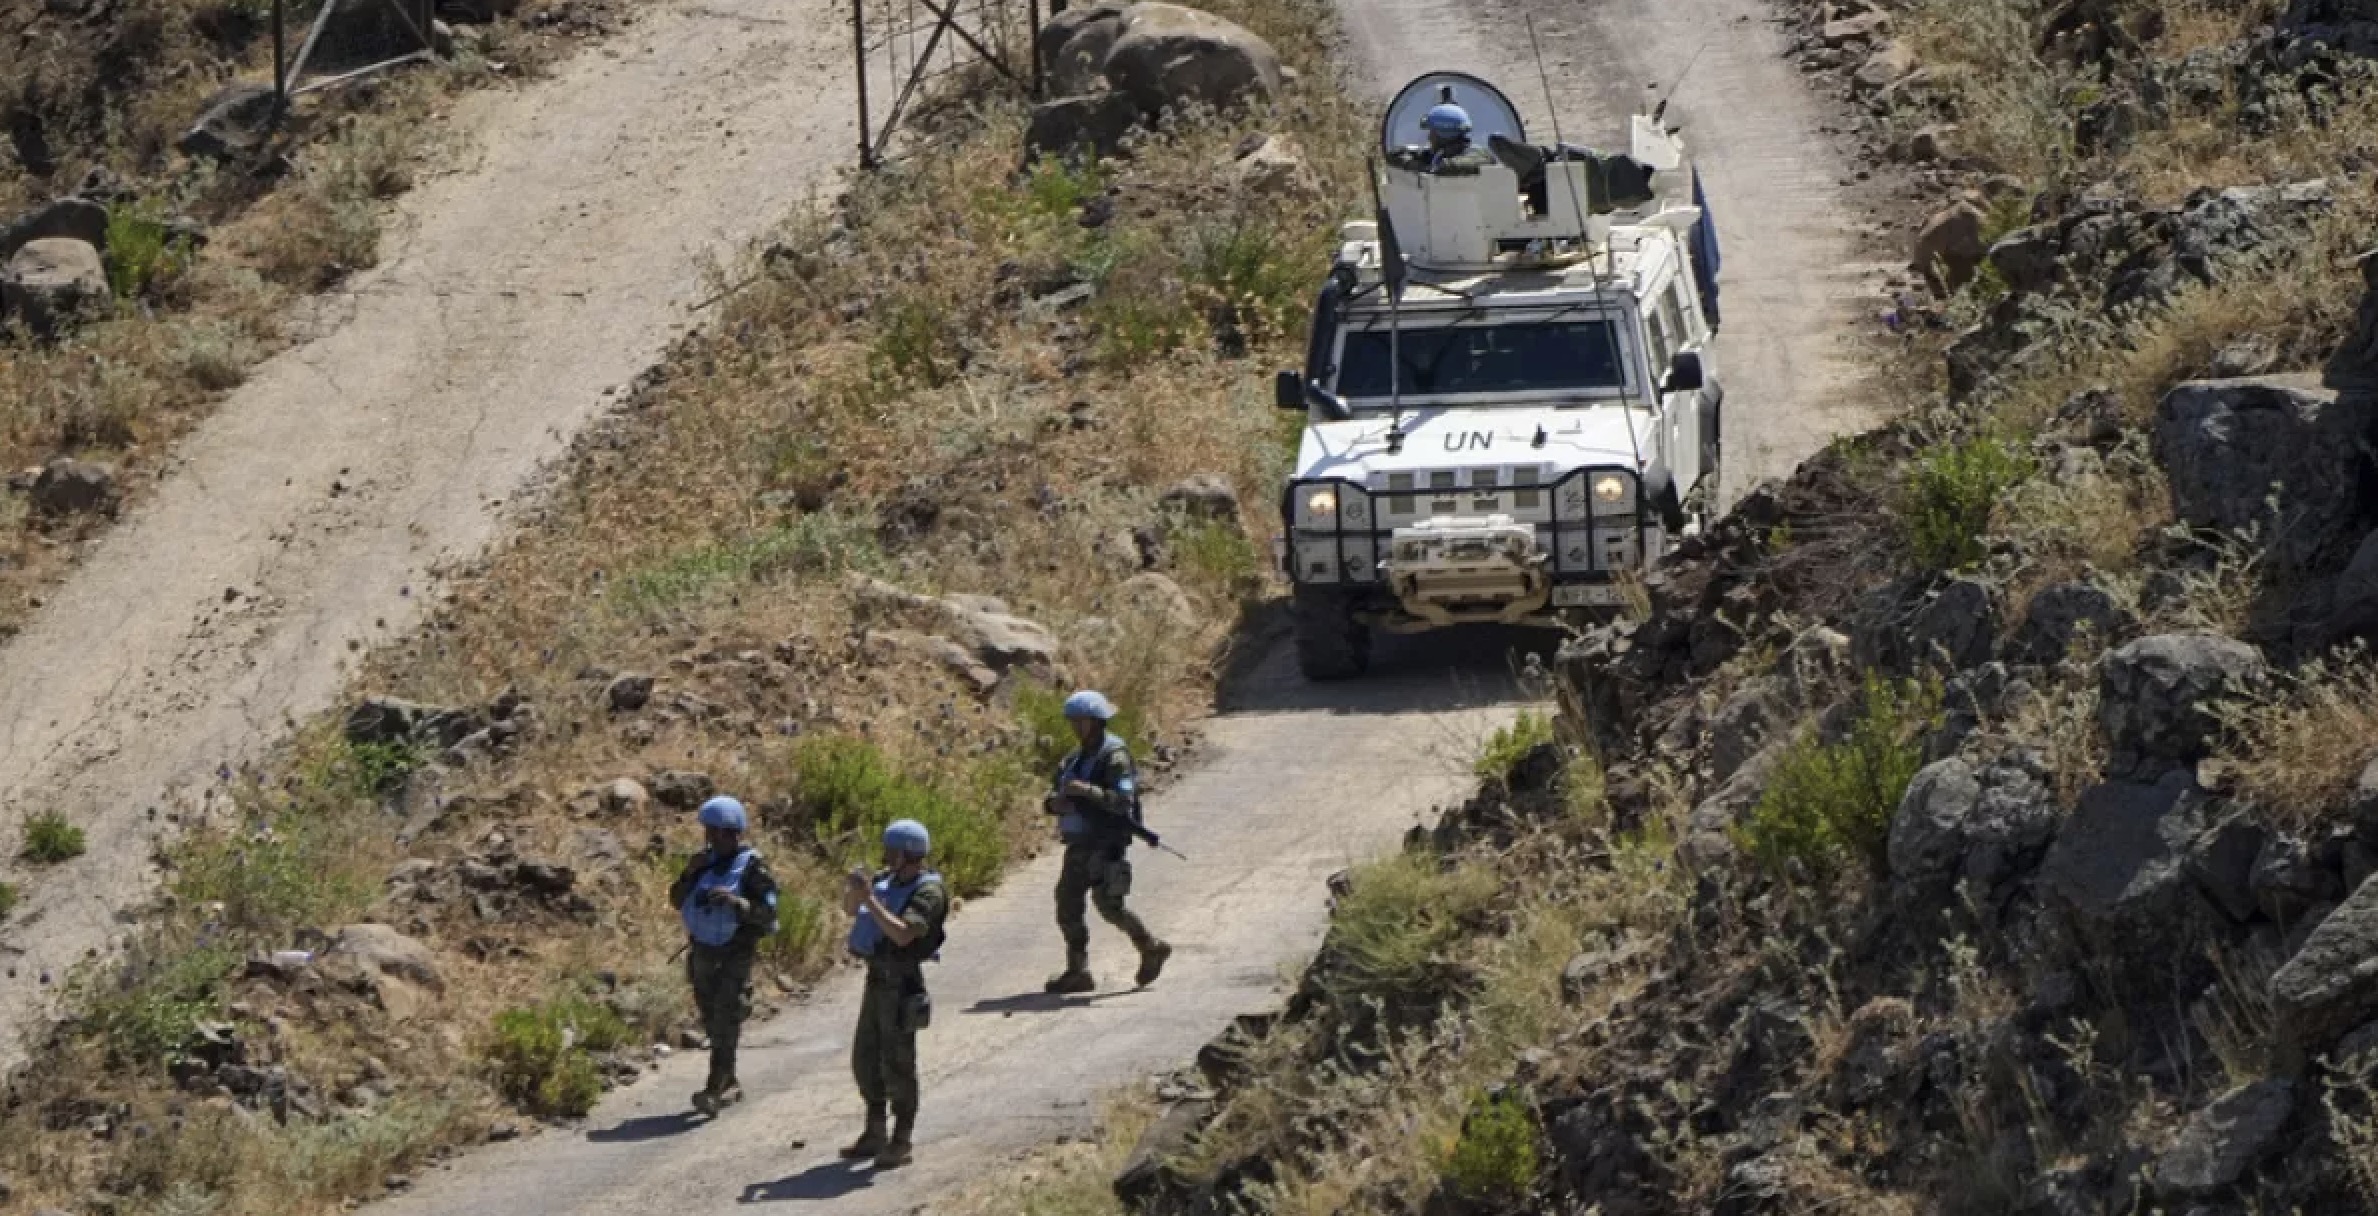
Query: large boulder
x=1915 y=625
x=382 y=950
x=235 y=121
x=73 y=487
x=51 y=283
x=1148 y=1177
x=1276 y=169
x=983 y=625
x=1981 y=828
x=1949 y=248
x=2118 y=867
x=1168 y=56
x=1074 y=47
x=2280 y=455
x=2061 y=615
x=2331 y=985
x=1097 y=123
x=74 y=218
x=2349 y=25
x=2225 y=1139
x=2155 y=697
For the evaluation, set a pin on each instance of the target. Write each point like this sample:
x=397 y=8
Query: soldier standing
x=728 y=903
x=898 y=929
x=1097 y=807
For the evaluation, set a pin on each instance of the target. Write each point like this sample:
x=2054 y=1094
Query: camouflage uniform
x=883 y=1055
x=721 y=975
x=1460 y=158
x=1097 y=837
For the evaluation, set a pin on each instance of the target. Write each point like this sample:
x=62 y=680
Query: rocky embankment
x=2010 y=768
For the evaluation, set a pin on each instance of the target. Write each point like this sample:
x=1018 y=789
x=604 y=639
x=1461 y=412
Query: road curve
x=305 y=517
x=1294 y=783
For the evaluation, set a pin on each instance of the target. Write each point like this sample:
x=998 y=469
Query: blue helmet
x=908 y=836
x=1447 y=121
x=1089 y=703
x=725 y=813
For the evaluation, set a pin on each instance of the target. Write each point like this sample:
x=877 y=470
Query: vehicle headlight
x=1321 y=501
x=1613 y=490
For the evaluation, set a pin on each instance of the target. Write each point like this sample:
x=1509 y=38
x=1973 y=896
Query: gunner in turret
x=1449 y=150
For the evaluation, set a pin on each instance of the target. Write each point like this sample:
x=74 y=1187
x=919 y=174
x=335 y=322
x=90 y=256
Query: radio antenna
x=1661 y=110
x=1552 y=109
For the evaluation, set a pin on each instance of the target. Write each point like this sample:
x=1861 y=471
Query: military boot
x=1151 y=962
x=899 y=1151
x=870 y=1142
x=1075 y=978
x=713 y=1096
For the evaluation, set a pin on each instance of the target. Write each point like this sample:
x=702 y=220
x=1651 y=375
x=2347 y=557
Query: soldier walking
x=1096 y=802
x=898 y=928
x=728 y=902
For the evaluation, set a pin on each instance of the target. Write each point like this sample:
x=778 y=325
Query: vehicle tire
x=1330 y=643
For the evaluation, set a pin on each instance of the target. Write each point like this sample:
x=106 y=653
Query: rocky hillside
x=1983 y=821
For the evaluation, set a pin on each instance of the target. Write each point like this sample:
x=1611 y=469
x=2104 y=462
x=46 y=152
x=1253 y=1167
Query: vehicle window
x=1661 y=349
x=1672 y=311
x=1552 y=356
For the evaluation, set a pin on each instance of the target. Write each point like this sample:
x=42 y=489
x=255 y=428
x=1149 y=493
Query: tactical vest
x=1084 y=765
x=715 y=924
x=867 y=938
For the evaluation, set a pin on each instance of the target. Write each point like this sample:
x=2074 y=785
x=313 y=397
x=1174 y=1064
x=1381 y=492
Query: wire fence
x=906 y=49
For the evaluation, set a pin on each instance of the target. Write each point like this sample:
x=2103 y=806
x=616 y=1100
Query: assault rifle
x=1058 y=803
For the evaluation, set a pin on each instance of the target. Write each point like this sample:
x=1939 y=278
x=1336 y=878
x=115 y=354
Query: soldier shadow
x=1042 y=1002
x=650 y=1127
x=829 y=1180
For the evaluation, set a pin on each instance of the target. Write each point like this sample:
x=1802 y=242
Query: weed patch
x=826 y=543
x=1401 y=913
x=850 y=791
x=149 y=1009
x=1495 y=1157
x=542 y=1055
x=1828 y=807
x=8 y=899
x=1511 y=744
x=2297 y=751
x=51 y=838
x=1951 y=491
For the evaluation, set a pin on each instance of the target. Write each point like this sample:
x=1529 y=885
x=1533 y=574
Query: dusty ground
x=307 y=517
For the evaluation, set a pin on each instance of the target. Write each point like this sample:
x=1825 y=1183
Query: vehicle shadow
x=1458 y=669
x=650 y=1127
x=1041 y=1002
x=829 y=1180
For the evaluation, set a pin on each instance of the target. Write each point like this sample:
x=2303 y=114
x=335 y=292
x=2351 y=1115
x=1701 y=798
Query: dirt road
x=306 y=517
x=1794 y=270
x=1294 y=784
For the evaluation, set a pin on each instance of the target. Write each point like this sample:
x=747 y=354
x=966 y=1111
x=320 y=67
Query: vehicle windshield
x=1552 y=356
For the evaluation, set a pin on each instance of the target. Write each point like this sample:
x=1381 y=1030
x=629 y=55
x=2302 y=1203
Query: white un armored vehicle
x=1531 y=420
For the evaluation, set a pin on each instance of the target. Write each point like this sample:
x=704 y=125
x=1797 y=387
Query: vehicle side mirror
x=1684 y=373
x=1288 y=390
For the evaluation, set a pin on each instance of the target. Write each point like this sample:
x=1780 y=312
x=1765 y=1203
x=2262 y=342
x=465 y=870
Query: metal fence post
x=858 y=33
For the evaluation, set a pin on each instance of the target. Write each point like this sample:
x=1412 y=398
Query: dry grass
x=2297 y=752
x=1075 y=1178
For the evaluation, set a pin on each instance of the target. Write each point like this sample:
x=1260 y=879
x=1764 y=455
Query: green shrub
x=1253 y=284
x=802 y=931
x=147 y=1009
x=1945 y=508
x=850 y=791
x=8 y=899
x=1400 y=914
x=50 y=839
x=1829 y=805
x=1042 y=711
x=543 y=1054
x=140 y=252
x=1495 y=1158
x=1511 y=744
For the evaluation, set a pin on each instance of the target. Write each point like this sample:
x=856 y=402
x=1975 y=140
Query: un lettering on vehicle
x=1469 y=441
